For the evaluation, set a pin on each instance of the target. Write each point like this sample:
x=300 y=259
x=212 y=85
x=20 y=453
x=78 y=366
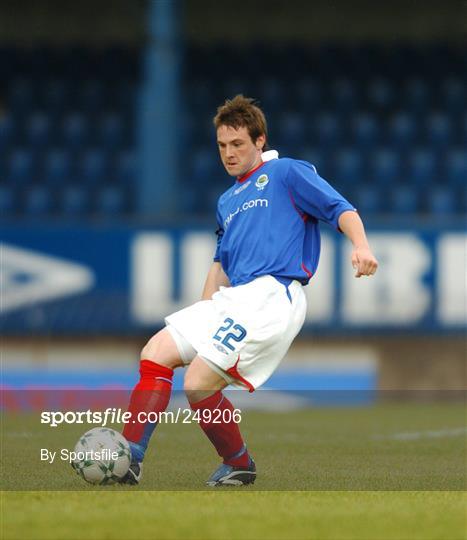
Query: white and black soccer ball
x=101 y=456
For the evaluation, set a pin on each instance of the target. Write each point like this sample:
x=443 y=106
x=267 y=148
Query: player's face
x=238 y=152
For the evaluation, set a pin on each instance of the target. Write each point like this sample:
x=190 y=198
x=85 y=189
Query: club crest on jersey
x=262 y=181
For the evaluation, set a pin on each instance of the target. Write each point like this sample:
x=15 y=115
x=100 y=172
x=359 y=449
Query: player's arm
x=363 y=259
x=216 y=278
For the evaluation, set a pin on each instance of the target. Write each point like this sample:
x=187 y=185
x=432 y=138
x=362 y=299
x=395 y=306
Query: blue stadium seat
x=7 y=200
x=57 y=167
x=94 y=167
x=21 y=167
x=126 y=168
x=365 y=131
x=75 y=131
x=271 y=94
x=439 y=130
x=441 y=202
x=453 y=95
x=38 y=201
x=417 y=95
x=111 y=201
x=404 y=200
x=292 y=128
x=327 y=129
x=422 y=167
x=203 y=166
x=349 y=168
x=402 y=130
x=75 y=201
x=308 y=94
x=91 y=98
x=38 y=130
x=55 y=97
x=368 y=200
x=111 y=131
x=385 y=167
x=344 y=95
x=456 y=167
x=316 y=157
x=380 y=93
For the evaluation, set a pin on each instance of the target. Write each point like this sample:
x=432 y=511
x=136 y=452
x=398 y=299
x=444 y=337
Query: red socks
x=151 y=394
x=221 y=430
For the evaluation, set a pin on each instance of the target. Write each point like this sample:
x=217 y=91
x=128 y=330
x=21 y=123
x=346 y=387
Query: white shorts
x=243 y=332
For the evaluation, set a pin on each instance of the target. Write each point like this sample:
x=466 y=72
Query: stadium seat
x=111 y=201
x=327 y=129
x=271 y=94
x=456 y=167
x=57 y=167
x=364 y=130
x=385 y=167
x=203 y=166
x=404 y=200
x=416 y=95
x=91 y=98
x=7 y=201
x=344 y=95
x=438 y=130
x=402 y=130
x=55 y=97
x=293 y=129
x=441 y=201
x=38 y=130
x=315 y=156
x=21 y=167
x=74 y=201
x=126 y=168
x=111 y=131
x=348 y=167
x=453 y=95
x=368 y=200
x=94 y=167
x=308 y=95
x=75 y=131
x=38 y=201
x=380 y=94
x=422 y=167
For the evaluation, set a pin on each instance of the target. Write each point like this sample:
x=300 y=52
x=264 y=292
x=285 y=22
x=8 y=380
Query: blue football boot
x=227 y=475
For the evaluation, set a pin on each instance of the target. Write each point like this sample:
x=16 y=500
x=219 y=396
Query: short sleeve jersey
x=268 y=221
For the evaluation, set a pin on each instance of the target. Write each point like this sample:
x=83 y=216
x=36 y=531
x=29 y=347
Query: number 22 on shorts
x=237 y=334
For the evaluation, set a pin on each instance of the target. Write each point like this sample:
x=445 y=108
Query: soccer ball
x=102 y=456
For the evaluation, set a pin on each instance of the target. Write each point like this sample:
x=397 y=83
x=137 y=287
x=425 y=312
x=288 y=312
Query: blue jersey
x=268 y=222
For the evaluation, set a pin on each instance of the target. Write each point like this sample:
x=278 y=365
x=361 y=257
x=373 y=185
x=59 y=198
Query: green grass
x=323 y=473
x=213 y=515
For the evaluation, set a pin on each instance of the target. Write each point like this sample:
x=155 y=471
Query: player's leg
x=151 y=395
x=218 y=420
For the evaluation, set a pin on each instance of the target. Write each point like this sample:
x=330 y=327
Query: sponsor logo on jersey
x=241 y=188
x=262 y=181
x=244 y=207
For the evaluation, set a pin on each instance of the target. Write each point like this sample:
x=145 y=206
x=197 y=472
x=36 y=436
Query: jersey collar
x=265 y=156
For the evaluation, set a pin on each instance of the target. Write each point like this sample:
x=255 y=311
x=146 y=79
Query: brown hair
x=242 y=112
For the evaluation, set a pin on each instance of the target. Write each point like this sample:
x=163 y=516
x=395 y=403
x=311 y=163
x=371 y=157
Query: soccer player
x=253 y=304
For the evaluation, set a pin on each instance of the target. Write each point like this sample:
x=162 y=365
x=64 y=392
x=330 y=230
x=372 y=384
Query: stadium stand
x=385 y=124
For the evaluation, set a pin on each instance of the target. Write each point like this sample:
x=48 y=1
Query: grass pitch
x=393 y=471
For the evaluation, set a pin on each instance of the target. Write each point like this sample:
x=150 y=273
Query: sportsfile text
x=113 y=415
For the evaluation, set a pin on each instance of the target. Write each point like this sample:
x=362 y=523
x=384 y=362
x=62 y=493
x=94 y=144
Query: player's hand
x=364 y=262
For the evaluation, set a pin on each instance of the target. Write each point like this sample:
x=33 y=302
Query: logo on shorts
x=220 y=348
x=262 y=181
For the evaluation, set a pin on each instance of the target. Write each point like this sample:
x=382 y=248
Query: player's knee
x=161 y=349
